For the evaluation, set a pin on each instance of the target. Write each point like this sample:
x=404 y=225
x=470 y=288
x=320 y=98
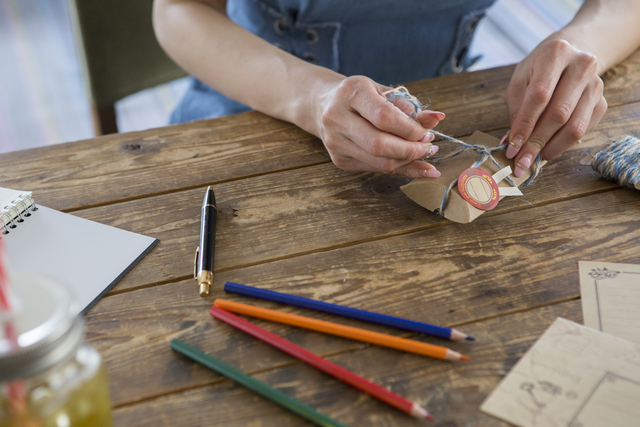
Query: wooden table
x=291 y=221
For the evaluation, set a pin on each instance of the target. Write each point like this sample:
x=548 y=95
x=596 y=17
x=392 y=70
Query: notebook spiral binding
x=15 y=212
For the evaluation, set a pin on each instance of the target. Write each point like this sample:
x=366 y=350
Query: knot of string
x=486 y=153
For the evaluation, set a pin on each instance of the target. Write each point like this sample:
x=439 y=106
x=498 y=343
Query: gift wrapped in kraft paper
x=429 y=192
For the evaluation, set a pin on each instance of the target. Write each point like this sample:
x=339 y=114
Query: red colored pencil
x=330 y=368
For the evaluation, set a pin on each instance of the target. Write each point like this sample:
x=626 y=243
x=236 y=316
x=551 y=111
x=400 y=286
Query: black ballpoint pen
x=203 y=264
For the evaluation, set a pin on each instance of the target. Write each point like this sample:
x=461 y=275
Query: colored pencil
x=254 y=385
x=326 y=366
x=354 y=313
x=342 y=331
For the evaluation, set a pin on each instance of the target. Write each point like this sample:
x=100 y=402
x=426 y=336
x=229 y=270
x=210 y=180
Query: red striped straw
x=4 y=280
x=318 y=362
x=17 y=389
x=5 y=300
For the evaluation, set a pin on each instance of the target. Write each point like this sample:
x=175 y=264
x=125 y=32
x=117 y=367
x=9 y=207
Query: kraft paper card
x=611 y=298
x=428 y=192
x=573 y=376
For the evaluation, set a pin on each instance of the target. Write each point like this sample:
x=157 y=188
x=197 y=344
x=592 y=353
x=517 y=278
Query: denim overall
x=389 y=41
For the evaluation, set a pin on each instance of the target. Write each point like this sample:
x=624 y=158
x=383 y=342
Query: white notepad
x=88 y=257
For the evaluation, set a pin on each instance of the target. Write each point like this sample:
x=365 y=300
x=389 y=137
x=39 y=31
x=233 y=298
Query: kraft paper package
x=429 y=192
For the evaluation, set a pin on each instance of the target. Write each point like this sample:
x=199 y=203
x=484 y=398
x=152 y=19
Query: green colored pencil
x=251 y=383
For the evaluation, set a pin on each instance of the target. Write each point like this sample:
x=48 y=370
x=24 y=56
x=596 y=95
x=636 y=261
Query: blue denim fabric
x=389 y=41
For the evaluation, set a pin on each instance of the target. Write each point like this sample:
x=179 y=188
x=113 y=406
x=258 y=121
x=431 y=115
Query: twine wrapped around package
x=441 y=195
x=430 y=192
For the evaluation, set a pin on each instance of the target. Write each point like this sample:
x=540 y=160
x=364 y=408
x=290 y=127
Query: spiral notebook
x=88 y=257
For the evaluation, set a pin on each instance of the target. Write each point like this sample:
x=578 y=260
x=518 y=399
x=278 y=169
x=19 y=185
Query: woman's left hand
x=555 y=96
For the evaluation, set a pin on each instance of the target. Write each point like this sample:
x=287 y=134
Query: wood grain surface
x=290 y=221
x=319 y=207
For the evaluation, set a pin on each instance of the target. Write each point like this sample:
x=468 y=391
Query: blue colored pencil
x=354 y=313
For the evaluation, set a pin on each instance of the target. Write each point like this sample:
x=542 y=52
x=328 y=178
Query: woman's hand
x=554 y=98
x=364 y=132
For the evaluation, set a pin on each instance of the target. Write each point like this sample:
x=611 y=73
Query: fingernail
x=514 y=146
x=523 y=165
x=433 y=149
x=504 y=138
x=430 y=150
x=427 y=137
x=439 y=114
x=430 y=173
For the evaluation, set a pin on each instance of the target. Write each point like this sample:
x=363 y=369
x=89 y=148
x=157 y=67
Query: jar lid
x=47 y=326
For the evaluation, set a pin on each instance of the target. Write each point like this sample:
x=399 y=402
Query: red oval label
x=478 y=187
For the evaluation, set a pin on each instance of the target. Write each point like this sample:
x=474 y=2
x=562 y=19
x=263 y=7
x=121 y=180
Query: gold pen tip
x=210 y=188
x=204 y=289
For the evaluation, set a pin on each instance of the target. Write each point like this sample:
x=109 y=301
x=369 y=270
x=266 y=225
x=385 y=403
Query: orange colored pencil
x=331 y=328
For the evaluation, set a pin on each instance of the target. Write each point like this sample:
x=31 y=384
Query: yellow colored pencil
x=331 y=328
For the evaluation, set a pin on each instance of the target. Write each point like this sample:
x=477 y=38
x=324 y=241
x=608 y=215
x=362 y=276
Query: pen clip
x=195 y=263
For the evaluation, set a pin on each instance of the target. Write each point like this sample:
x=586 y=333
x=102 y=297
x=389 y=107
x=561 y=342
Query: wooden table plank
x=497 y=265
x=127 y=166
x=124 y=166
x=317 y=208
x=620 y=81
x=453 y=392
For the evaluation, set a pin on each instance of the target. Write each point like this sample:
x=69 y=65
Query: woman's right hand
x=364 y=132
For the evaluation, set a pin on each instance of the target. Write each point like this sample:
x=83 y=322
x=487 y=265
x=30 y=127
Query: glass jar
x=51 y=377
